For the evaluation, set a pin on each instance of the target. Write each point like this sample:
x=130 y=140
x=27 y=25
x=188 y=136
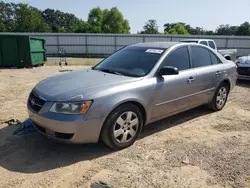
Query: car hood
x=78 y=85
x=244 y=59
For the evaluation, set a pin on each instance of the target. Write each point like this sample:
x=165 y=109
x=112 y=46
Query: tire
x=119 y=130
x=220 y=98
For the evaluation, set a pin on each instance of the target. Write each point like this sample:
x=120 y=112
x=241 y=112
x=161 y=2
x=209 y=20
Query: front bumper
x=243 y=77
x=243 y=71
x=66 y=128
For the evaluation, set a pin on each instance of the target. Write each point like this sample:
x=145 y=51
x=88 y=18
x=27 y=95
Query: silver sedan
x=135 y=86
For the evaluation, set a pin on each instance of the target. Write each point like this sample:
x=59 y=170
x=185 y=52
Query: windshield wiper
x=109 y=71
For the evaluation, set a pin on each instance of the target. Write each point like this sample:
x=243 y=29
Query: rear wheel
x=220 y=98
x=122 y=127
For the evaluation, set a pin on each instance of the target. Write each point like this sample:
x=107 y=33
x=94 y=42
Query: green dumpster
x=21 y=51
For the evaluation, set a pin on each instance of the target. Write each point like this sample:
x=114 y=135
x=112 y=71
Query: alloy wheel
x=221 y=97
x=126 y=127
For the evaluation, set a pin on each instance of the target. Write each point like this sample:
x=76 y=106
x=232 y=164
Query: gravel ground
x=197 y=148
x=73 y=61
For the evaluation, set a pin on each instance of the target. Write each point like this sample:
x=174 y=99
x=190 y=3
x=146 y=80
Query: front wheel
x=220 y=98
x=122 y=127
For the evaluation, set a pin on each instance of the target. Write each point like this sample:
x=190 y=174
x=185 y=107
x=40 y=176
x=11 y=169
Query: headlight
x=71 y=107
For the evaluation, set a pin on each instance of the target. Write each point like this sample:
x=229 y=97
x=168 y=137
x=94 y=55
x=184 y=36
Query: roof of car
x=194 y=40
x=156 y=44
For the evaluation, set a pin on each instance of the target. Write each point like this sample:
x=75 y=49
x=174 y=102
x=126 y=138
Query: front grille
x=243 y=71
x=65 y=136
x=35 y=102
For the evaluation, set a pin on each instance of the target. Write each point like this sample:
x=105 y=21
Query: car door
x=174 y=93
x=207 y=74
x=219 y=69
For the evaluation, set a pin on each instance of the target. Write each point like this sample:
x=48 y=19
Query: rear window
x=215 y=59
x=203 y=42
x=179 y=58
x=211 y=44
x=132 y=61
x=200 y=57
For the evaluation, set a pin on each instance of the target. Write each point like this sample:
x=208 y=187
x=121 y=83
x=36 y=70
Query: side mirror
x=228 y=57
x=168 y=70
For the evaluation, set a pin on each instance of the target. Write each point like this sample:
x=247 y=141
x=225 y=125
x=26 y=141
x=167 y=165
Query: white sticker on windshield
x=155 y=51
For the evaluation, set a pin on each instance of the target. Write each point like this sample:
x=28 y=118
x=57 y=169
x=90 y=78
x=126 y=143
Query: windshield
x=131 y=61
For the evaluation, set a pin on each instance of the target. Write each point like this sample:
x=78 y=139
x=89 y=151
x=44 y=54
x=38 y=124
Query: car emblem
x=33 y=102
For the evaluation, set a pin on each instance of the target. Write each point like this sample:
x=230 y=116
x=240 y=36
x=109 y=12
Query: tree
x=95 y=20
x=114 y=22
x=226 y=30
x=178 y=29
x=83 y=27
x=150 y=27
x=51 y=17
x=209 y=32
x=198 y=31
x=126 y=27
x=24 y=18
x=7 y=17
x=29 y=19
x=59 y=21
x=107 y=21
x=243 y=29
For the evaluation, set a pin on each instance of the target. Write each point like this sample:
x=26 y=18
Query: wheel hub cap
x=126 y=127
x=221 y=97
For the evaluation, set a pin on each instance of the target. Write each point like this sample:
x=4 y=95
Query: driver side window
x=178 y=58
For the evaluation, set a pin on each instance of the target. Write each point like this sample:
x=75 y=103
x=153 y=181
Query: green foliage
x=226 y=30
x=21 y=18
x=29 y=19
x=113 y=22
x=178 y=29
x=95 y=20
x=7 y=16
x=150 y=27
x=2 y=27
x=172 y=32
x=107 y=21
x=243 y=29
x=24 y=18
x=59 y=21
x=186 y=30
x=165 y=32
x=83 y=27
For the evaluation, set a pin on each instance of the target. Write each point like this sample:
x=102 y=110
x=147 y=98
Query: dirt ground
x=71 y=61
x=197 y=148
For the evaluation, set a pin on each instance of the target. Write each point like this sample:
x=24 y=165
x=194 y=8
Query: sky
x=208 y=14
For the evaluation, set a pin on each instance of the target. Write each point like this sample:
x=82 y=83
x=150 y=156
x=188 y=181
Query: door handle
x=218 y=73
x=191 y=80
